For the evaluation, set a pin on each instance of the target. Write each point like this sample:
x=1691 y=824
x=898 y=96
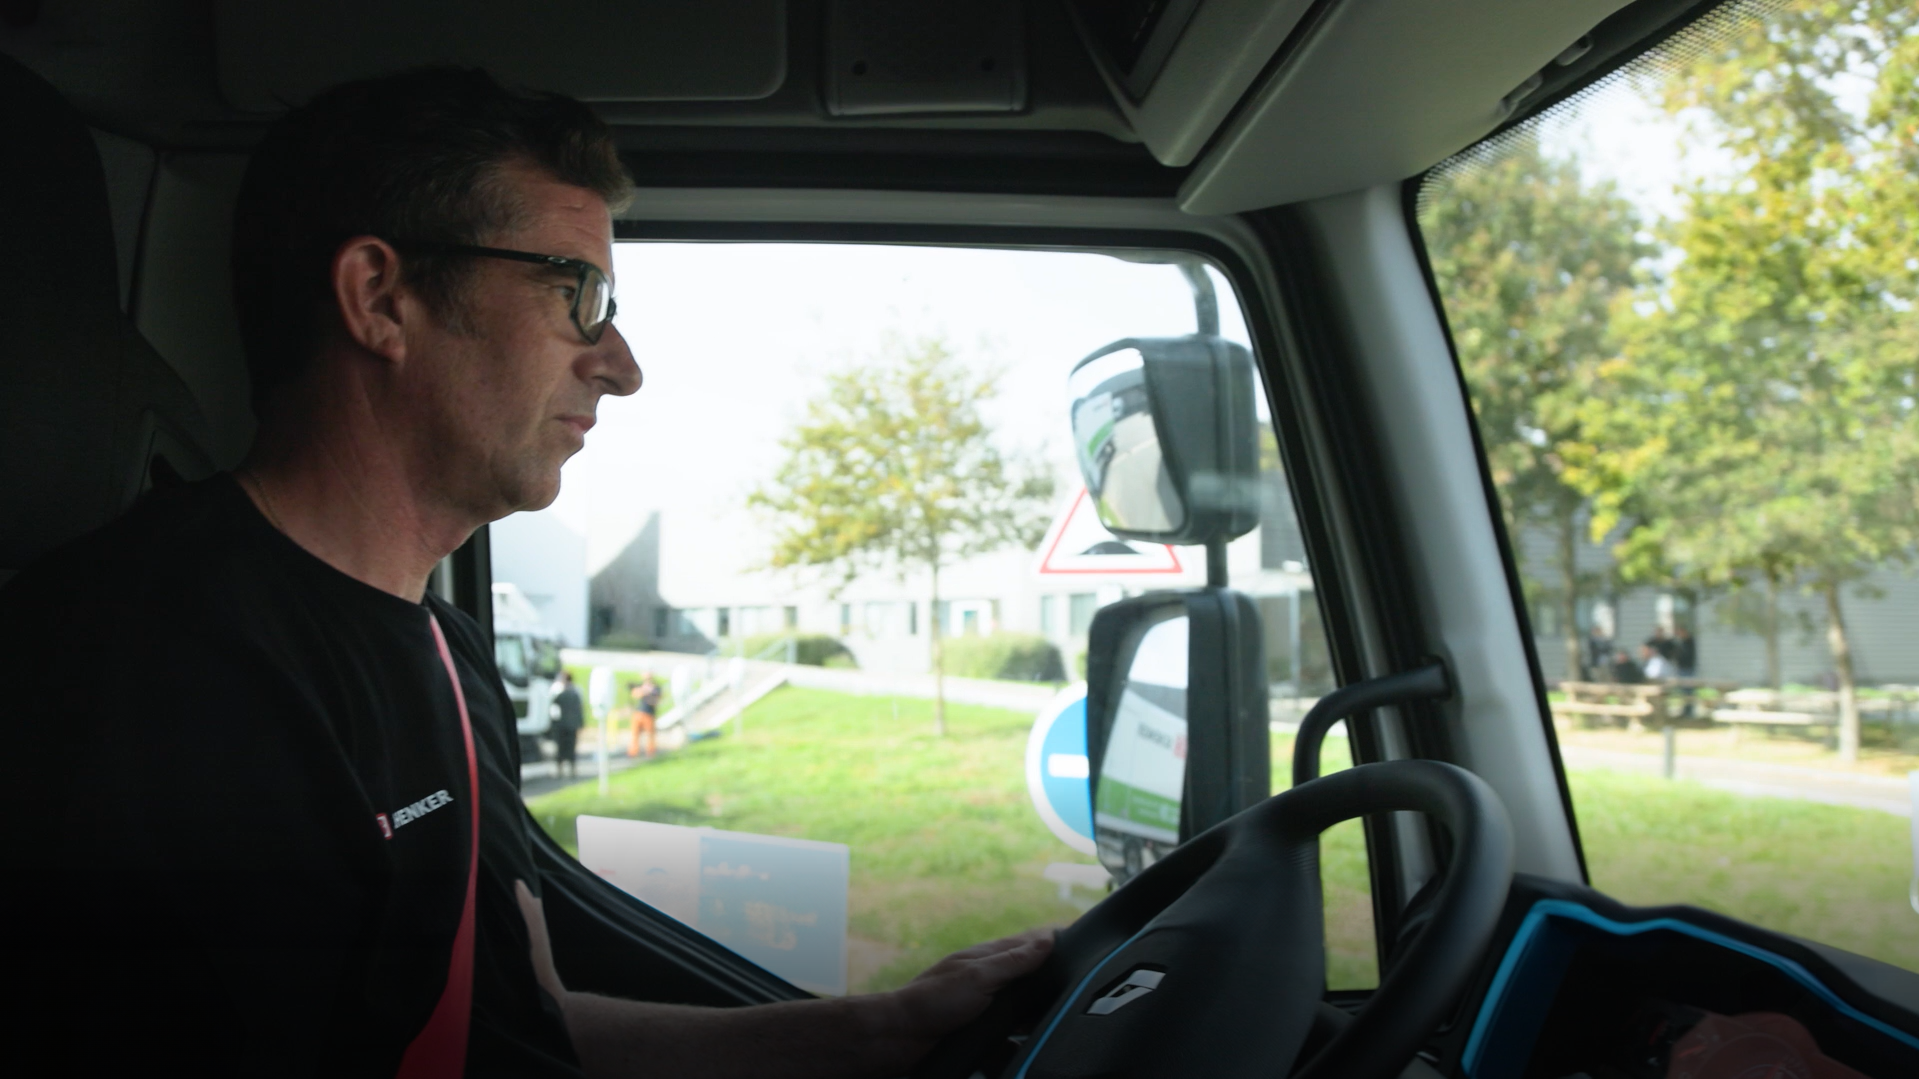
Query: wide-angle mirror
x=1117 y=443
x=1165 y=433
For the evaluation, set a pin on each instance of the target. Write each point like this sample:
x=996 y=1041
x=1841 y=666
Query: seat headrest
x=85 y=403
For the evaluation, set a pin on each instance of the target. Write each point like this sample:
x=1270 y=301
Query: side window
x=843 y=531
x=1683 y=307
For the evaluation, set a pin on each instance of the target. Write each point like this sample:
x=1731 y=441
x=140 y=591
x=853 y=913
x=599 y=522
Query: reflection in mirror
x=1119 y=446
x=1142 y=775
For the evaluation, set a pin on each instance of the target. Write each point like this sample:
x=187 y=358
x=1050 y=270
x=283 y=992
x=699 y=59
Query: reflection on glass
x=1142 y=775
x=1118 y=446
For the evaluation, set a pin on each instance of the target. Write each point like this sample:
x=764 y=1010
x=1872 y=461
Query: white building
x=689 y=597
x=547 y=561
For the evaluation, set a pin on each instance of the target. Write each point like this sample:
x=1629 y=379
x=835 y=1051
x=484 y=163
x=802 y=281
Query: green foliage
x=894 y=469
x=811 y=649
x=1758 y=421
x=1533 y=261
x=1745 y=418
x=1021 y=657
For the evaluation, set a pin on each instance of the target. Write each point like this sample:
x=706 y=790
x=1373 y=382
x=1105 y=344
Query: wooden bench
x=1771 y=709
x=1639 y=705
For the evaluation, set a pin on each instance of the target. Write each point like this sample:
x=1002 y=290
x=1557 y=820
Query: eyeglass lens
x=595 y=304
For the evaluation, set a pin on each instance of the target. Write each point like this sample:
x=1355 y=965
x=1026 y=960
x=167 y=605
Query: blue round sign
x=1057 y=771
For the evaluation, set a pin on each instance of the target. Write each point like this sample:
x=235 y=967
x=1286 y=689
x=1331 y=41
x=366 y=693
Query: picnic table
x=1638 y=704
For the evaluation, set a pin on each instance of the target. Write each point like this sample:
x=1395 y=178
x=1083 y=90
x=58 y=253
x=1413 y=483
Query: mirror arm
x=1205 y=298
x=1420 y=684
x=1216 y=563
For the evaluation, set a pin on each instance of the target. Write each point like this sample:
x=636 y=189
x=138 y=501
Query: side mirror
x=1176 y=721
x=1166 y=436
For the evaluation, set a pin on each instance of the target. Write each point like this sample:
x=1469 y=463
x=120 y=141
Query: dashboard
x=1587 y=988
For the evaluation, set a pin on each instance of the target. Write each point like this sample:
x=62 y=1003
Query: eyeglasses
x=593 y=303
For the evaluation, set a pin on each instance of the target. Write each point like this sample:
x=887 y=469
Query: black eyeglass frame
x=580 y=267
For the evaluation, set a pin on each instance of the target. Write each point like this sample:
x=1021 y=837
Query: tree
x=893 y=468
x=1531 y=260
x=1763 y=395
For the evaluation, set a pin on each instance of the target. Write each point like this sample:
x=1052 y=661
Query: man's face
x=513 y=398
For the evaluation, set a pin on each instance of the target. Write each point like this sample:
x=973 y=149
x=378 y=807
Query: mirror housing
x=1136 y=716
x=1166 y=436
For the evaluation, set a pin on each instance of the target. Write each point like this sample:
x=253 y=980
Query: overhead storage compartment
x=274 y=55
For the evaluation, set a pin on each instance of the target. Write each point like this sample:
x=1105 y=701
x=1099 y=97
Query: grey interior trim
x=129 y=168
x=184 y=300
x=274 y=55
x=1220 y=54
x=934 y=208
x=1406 y=374
x=1381 y=90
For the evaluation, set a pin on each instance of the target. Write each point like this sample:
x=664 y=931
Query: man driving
x=305 y=854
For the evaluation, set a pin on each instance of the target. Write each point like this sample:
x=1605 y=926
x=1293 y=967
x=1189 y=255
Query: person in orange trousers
x=646 y=709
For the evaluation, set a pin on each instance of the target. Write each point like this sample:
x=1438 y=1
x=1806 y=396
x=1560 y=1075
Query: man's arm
x=880 y=1035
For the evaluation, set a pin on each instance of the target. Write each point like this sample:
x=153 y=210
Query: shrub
x=812 y=649
x=1020 y=657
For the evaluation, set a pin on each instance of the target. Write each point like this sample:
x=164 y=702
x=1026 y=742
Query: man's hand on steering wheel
x=955 y=990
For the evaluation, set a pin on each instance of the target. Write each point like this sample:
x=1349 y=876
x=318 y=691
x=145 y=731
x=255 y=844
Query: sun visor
x=275 y=55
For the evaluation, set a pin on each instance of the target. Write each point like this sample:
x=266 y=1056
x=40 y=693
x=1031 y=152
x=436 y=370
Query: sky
x=734 y=338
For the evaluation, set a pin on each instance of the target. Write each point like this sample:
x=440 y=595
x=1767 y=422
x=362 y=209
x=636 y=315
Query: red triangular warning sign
x=1078 y=544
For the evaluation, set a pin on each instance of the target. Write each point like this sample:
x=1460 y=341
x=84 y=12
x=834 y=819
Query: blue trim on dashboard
x=1067 y=1004
x=1561 y=908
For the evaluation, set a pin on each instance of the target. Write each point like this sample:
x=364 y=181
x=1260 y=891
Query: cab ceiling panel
x=1373 y=91
x=278 y=54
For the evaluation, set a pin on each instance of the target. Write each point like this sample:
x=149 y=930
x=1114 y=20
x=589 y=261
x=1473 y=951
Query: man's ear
x=366 y=290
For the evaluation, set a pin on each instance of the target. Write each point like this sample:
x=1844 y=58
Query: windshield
x=546 y=658
x=842 y=535
x=1683 y=305
x=510 y=653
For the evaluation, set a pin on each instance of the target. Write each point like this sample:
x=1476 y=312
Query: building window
x=725 y=621
x=846 y=619
x=1080 y=608
x=792 y=618
x=1048 y=616
x=662 y=621
x=912 y=619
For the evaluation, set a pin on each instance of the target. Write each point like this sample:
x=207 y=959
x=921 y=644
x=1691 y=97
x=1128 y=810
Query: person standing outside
x=1685 y=658
x=568 y=717
x=645 y=695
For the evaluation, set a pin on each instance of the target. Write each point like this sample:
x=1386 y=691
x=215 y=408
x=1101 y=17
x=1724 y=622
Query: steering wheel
x=1212 y=960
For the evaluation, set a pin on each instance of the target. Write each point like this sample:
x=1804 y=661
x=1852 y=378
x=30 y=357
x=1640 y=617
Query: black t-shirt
x=208 y=723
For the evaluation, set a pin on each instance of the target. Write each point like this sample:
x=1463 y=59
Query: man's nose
x=618 y=369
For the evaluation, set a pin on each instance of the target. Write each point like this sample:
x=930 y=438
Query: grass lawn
x=1829 y=873
x=946 y=848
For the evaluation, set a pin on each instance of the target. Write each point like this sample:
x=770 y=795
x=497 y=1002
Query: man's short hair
x=414 y=156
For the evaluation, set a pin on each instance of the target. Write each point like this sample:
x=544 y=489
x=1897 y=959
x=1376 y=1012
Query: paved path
x=1890 y=794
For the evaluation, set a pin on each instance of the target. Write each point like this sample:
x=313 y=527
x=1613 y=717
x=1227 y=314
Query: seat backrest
x=89 y=413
